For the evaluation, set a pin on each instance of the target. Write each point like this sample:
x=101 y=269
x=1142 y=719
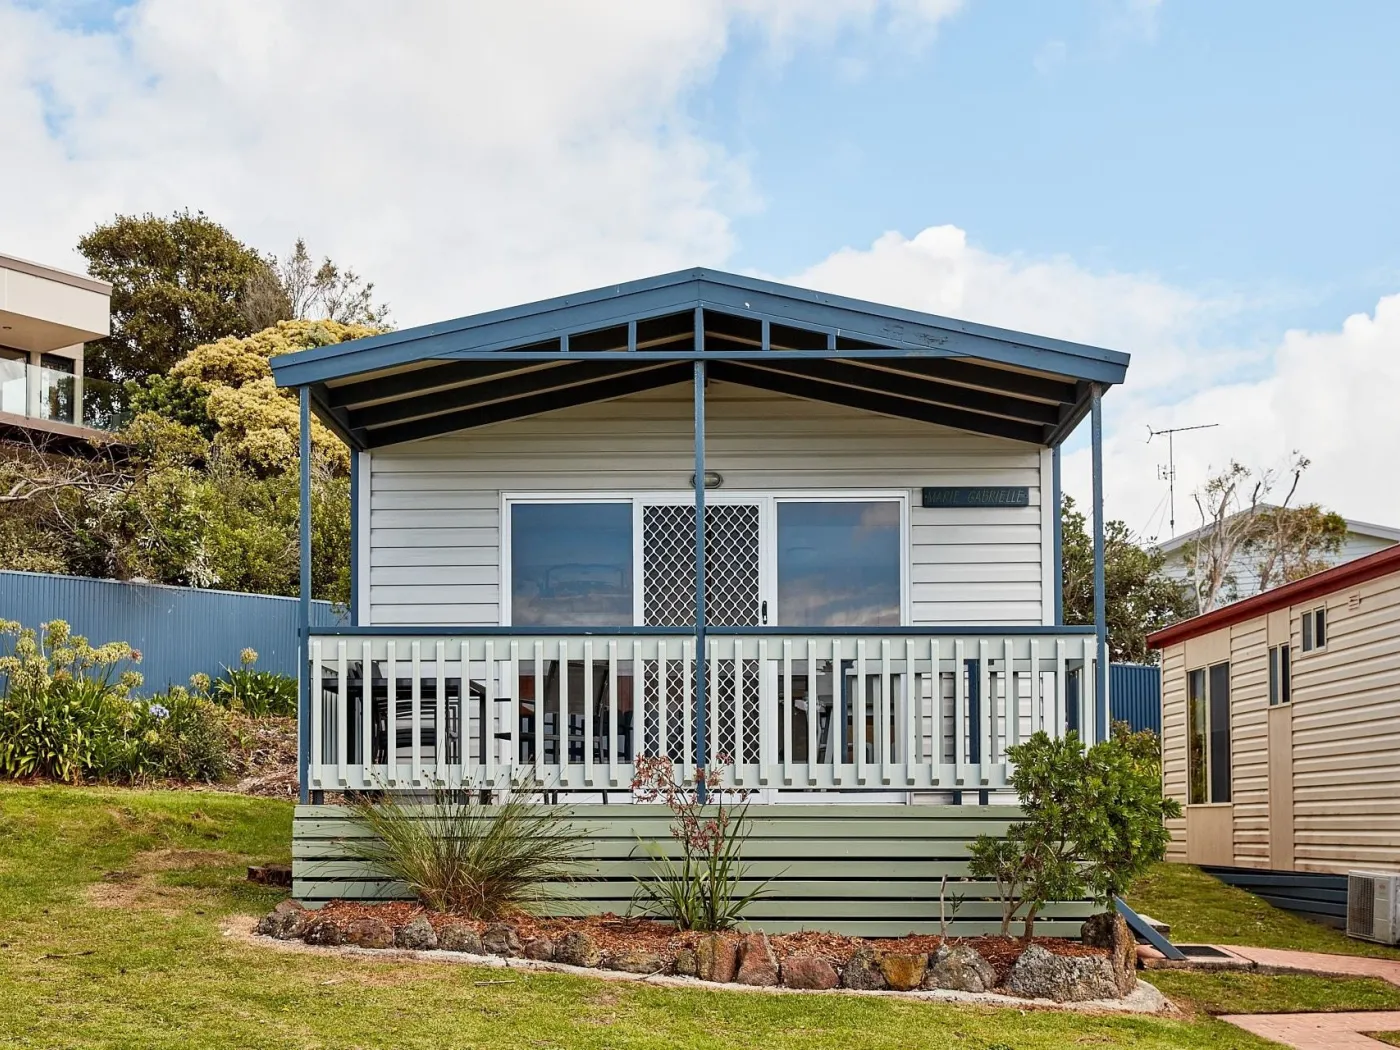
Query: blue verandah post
x=1100 y=599
x=304 y=605
x=1057 y=534
x=702 y=744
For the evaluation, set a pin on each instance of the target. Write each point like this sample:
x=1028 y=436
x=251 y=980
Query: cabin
x=1281 y=732
x=806 y=543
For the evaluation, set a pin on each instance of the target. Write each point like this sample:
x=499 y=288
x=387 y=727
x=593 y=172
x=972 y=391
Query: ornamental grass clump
x=701 y=890
x=461 y=856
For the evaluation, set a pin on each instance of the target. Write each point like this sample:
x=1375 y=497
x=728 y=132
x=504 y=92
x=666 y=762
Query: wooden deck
x=865 y=869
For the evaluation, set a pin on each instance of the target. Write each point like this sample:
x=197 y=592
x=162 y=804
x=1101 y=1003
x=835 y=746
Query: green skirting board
x=867 y=870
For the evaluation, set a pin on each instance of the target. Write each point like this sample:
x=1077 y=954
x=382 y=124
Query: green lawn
x=112 y=903
x=1201 y=909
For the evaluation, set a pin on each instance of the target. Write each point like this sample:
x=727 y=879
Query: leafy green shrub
x=67 y=714
x=701 y=890
x=465 y=857
x=257 y=693
x=1095 y=821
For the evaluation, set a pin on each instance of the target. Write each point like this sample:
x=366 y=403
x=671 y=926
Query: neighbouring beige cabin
x=1281 y=724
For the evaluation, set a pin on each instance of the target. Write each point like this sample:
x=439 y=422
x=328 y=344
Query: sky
x=1208 y=187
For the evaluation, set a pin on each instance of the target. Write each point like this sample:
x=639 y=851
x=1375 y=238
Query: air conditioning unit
x=1373 y=906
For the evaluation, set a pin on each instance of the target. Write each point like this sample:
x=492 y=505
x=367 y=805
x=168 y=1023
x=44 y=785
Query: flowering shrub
x=67 y=713
x=257 y=693
x=701 y=891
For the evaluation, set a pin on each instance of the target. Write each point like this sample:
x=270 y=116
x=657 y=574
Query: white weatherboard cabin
x=873 y=614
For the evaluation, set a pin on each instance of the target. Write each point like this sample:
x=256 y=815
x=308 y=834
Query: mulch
x=615 y=933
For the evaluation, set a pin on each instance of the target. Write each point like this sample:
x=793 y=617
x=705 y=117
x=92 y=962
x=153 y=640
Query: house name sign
x=977 y=496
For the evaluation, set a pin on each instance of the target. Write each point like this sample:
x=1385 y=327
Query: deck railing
x=894 y=710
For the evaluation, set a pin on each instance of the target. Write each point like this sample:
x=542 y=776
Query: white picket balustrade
x=885 y=711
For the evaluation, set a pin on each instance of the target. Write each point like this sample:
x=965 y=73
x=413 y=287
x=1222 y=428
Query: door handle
x=763 y=613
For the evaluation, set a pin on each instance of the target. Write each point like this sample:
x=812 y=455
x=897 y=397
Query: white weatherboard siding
x=434 y=518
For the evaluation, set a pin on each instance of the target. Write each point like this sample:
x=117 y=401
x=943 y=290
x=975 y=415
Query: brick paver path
x=1319 y=962
x=1319 y=1031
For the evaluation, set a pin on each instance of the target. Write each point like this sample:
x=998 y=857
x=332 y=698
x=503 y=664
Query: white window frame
x=768 y=521
x=1312 y=630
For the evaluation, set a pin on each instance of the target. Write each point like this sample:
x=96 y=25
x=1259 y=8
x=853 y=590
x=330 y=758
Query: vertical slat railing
x=987 y=708
x=612 y=712
x=317 y=714
x=883 y=754
x=858 y=717
x=416 y=715
x=787 y=711
x=391 y=714
x=440 y=714
x=588 y=711
x=737 y=668
x=886 y=694
x=366 y=711
x=639 y=694
x=962 y=729
x=488 y=713
x=342 y=713
x=687 y=710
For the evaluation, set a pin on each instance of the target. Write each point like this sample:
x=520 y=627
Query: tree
x=1241 y=530
x=176 y=283
x=203 y=490
x=1292 y=542
x=297 y=289
x=1139 y=597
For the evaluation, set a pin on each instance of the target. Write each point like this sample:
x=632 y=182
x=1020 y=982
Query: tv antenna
x=1168 y=473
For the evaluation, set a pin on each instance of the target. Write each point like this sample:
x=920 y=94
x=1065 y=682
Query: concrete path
x=1318 y=962
x=1319 y=1031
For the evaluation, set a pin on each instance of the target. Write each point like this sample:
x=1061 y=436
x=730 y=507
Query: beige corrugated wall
x=1345 y=732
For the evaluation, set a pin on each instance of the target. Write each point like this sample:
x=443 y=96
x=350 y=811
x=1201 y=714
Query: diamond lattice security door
x=732 y=599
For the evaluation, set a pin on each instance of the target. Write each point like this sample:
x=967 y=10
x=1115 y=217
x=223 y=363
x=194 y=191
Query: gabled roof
x=625 y=338
x=1339 y=577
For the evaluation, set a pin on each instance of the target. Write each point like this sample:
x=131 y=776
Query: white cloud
x=461 y=155
x=1328 y=394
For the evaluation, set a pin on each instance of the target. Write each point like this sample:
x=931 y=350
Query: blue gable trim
x=900 y=331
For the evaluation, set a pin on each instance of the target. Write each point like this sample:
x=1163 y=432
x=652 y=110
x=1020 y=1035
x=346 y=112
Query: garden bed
x=1045 y=968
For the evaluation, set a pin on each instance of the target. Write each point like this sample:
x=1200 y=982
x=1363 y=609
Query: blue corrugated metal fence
x=1134 y=696
x=179 y=630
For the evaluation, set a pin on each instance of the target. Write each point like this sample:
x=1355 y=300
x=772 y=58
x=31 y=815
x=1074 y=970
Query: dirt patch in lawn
x=138 y=883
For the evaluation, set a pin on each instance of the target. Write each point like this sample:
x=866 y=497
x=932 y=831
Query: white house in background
x=46 y=315
x=1362 y=539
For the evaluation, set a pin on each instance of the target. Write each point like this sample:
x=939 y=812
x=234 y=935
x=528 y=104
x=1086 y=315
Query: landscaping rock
x=717 y=959
x=958 y=968
x=459 y=937
x=862 y=972
x=324 y=932
x=634 y=960
x=758 y=966
x=369 y=932
x=541 y=948
x=903 y=972
x=501 y=939
x=1110 y=930
x=1064 y=978
x=418 y=935
x=685 y=964
x=286 y=922
x=577 y=949
x=809 y=972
